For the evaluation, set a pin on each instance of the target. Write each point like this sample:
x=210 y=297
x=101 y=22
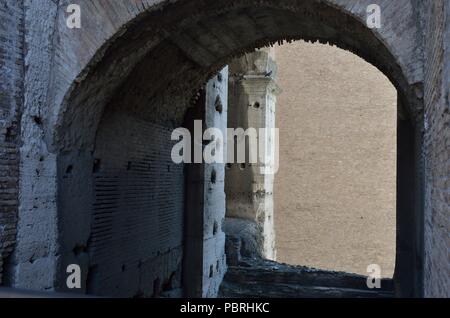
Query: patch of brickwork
x=136 y=240
x=11 y=74
x=437 y=150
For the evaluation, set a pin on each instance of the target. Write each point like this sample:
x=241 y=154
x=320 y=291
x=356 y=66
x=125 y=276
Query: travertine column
x=205 y=265
x=252 y=100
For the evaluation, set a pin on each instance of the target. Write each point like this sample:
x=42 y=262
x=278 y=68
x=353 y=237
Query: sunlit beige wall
x=335 y=189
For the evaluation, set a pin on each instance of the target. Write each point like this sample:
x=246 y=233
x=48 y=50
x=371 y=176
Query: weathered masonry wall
x=131 y=234
x=11 y=99
x=136 y=241
x=35 y=254
x=335 y=191
x=205 y=196
x=70 y=75
x=205 y=263
x=437 y=148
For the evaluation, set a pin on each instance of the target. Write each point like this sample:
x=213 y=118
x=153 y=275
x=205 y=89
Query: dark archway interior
x=136 y=90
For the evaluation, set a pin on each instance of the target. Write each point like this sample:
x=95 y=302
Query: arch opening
x=332 y=202
x=148 y=75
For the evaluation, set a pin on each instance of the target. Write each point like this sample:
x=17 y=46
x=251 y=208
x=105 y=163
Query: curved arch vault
x=145 y=59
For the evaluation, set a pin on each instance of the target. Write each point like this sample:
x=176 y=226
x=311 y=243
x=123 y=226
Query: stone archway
x=158 y=52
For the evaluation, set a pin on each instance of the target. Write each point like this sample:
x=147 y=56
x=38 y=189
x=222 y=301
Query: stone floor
x=254 y=278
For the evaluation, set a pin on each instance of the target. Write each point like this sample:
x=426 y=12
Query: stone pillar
x=252 y=100
x=33 y=264
x=214 y=264
x=205 y=264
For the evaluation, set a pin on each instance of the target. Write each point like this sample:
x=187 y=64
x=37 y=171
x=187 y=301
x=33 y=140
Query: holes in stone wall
x=9 y=134
x=242 y=166
x=69 y=169
x=213 y=176
x=96 y=167
x=215 y=228
x=218 y=105
x=220 y=77
x=37 y=120
x=218 y=266
x=211 y=271
x=256 y=105
x=229 y=166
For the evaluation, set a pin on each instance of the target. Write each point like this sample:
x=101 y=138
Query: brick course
x=11 y=81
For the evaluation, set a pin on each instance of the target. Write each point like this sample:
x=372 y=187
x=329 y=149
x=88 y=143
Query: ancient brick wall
x=65 y=64
x=437 y=148
x=136 y=240
x=11 y=81
x=335 y=192
x=67 y=67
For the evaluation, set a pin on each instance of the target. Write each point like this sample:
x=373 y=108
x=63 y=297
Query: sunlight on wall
x=335 y=193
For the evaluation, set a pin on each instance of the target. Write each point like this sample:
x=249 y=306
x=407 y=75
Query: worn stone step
x=255 y=278
x=265 y=271
x=277 y=290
